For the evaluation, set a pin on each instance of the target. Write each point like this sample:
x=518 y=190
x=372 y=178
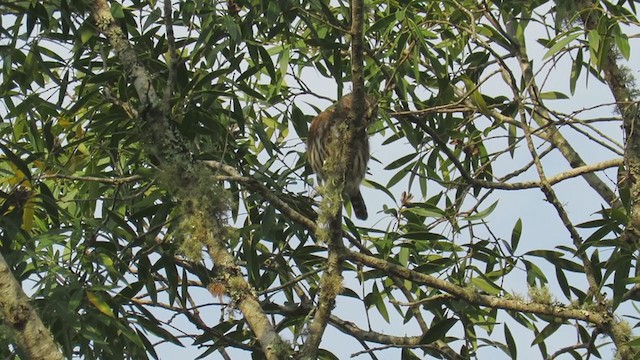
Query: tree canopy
x=155 y=193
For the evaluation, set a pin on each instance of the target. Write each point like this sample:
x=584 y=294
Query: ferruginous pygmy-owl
x=323 y=128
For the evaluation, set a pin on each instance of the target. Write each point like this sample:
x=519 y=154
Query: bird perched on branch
x=324 y=127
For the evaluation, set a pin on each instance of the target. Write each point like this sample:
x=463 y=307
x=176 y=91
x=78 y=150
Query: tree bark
x=30 y=334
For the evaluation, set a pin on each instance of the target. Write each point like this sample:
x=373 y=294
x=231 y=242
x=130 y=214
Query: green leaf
x=622 y=42
x=424 y=212
x=17 y=161
x=272 y=13
x=153 y=326
x=475 y=95
x=147 y=344
x=107 y=261
x=117 y=11
x=545 y=333
x=553 y=95
x=375 y=298
x=349 y=293
x=172 y=277
x=511 y=344
x=563 y=282
x=383 y=25
x=534 y=273
x=486 y=285
x=423 y=236
x=516 y=233
x=131 y=290
x=546 y=254
x=634 y=342
x=401 y=161
x=403 y=256
x=375 y=185
x=119 y=220
x=560 y=44
x=233 y=29
x=265 y=57
x=576 y=68
x=326 y=355
x=484 y=213
x=512 y=138
x=620 y=264
x=594 y=47
x=438 y=330
x=399 y=175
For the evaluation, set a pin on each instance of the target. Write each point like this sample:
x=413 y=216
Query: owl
x=325 y=126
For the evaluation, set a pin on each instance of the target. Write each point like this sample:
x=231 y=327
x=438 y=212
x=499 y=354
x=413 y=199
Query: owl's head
x=370 y=107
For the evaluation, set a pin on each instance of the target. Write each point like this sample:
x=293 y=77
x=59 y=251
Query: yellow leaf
x=13 y=180
x=79 y=132
x=64 y=122
x=100 y=304
x=83 y=149
x=27 y=216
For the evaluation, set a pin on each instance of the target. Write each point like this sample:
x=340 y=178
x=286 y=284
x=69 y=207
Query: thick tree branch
x=257 y=187
x=18 y=315
x=547 y=127
x=171 y=147
x=331 y=210
x=618 y=81
x=547 y=190
x=575 y=172
x=611 y=327
x=102 y=180
x=340 y=149
x=471 y=296
x=140 y=77
x=357 y=62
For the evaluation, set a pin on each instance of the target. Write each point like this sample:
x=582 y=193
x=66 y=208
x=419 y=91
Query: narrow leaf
x=99 y=303
x=438 y=330
x=561 y=44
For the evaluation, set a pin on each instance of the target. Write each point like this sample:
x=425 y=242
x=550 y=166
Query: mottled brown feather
x=322 y=128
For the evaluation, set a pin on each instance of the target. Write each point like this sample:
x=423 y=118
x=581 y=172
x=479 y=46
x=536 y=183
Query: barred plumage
x=323 y=128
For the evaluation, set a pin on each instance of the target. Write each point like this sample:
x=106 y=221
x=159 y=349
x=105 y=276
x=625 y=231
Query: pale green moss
x=541 y=295
x=203 y=210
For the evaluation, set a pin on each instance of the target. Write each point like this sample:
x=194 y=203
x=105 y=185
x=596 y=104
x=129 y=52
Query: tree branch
x=551 y=131
x=102 y=180
x=233 y=175
x=18 y=315
x=351 y=329
x=618 y=81
x=575 y=172
x=473 y=297
x=172 y=58
x=331 y=207
x=534 y=93
x=170 y=145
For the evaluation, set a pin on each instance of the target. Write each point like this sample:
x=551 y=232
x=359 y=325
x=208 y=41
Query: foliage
x=117 y=248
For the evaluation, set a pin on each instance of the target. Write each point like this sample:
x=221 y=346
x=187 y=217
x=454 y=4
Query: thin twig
x=172 y=57
x=110 y=181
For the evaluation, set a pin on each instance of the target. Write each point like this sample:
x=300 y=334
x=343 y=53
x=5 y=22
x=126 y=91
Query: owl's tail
x=358 y=205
